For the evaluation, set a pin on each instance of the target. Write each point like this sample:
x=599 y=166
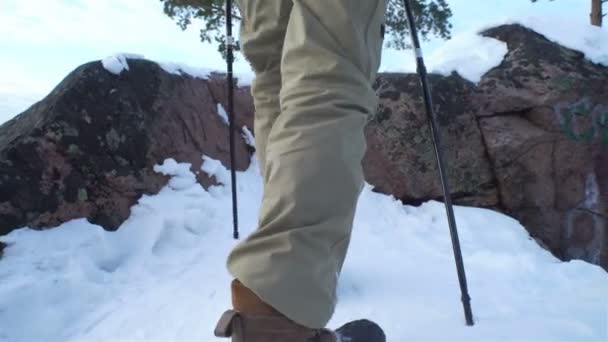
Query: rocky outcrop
x=530 y=140
x=400 y=159
x=88 y=149
x=544 y=115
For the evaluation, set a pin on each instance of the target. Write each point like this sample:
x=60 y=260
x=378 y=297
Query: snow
x=248 y=136
x=183 y=69
x=469 y=54
x=592 y=41
x=162 y=276
x=222 y=113
x=472 y=55
x=244 y=78
x=116 y=64
x=214 y=168
x=181 y=178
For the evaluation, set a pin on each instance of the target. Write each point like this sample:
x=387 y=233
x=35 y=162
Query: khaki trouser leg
x=262 y=34
x=313 y=173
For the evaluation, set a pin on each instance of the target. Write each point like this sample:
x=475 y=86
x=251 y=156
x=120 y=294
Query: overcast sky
x=41 y=41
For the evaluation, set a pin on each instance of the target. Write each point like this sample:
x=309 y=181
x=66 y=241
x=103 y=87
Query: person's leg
x=313 y=172
x=263 y=27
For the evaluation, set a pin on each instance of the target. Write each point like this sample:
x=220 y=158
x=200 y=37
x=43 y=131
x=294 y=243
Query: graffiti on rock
x=584 y=121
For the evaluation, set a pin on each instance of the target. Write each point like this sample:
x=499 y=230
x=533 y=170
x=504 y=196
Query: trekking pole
x=229 y=61
x=428 y=104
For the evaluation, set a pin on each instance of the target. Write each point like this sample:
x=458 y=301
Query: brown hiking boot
x=252 y=320
x=263 y=328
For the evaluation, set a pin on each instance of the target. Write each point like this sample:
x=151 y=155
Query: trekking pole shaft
x=229 y=64
x=437 y=143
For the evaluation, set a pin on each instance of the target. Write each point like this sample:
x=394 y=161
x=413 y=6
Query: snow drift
x=161 y=276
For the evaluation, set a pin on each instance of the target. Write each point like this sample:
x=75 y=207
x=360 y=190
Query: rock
x=544 y=116
x=401 y=160
x=530 y=139
x=88 y=149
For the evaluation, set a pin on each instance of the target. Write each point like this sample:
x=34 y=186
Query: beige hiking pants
x=315 y=61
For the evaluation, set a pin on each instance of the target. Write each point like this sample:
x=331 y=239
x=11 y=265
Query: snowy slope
x=161 y=277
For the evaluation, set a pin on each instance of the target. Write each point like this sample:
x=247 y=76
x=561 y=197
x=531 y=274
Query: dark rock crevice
x=490 y=161
x=2 y=247
x=455 y=196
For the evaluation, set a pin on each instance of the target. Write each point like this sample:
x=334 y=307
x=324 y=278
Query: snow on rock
x=181 y=178
x=182 y=69
x=214 y=168
x=116 y=64
x=592 y=41
x=222 y=113
x=472 y=55
x=244 y=78
x=468 y=54
x=248 y=136
x=162 y=275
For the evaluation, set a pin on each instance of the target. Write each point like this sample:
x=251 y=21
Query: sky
x=41 y=41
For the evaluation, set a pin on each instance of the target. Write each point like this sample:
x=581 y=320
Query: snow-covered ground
x=162 y=277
